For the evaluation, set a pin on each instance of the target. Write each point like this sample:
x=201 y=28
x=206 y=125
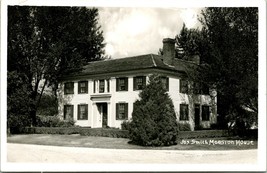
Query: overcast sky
x=137 y=31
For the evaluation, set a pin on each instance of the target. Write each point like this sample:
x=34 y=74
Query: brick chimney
x=168 y=51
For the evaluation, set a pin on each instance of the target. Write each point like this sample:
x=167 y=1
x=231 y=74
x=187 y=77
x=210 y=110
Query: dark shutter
x=126 y=84
x=117 y=84
x=72 y=88
x=117 y=111
x=144 y=82
x=65 y=111
x=167 y=83
x=71 y=111
x=79 y=87
x=86 y=112
x=134 y=83
x=79 y=109
x=94 y=86
x=126 y=111
x=86 y=86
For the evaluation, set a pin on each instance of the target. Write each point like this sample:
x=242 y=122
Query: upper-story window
x=83 y=87
x=101 y=86
x=139 y=82
x=183 y=86
x=122 y=84
x=69 y=88
x=165 y=82
x=197 y=88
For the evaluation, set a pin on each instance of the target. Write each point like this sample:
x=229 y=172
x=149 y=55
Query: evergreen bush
x=154 y=120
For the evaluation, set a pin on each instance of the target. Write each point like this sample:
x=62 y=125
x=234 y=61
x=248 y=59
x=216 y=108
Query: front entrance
x=103 y=112
x=197 y=116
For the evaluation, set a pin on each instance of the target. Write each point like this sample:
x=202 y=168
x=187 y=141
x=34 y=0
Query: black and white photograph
x=136 y=86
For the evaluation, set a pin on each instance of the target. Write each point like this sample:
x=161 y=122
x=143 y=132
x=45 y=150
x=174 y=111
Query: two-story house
x=103 y=93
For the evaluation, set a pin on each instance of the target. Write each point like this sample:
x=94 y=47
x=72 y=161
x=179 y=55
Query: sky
x=137 y=31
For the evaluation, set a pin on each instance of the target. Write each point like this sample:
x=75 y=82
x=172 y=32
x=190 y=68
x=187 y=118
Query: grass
x=122 y=143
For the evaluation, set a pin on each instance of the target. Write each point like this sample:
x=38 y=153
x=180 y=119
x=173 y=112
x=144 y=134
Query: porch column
x=109 y=114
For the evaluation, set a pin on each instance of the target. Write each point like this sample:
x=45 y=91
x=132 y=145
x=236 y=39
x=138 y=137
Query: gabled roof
x=132 y=63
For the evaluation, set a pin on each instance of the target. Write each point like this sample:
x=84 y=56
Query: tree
x=228 y=48
x=45 y=43
x=154 y=120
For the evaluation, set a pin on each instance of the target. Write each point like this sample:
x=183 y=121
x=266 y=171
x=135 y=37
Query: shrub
x=16 y=123
x=125 y=125
x=114 y=133
x=184 y=127
x=153 y=119
x=53 y=121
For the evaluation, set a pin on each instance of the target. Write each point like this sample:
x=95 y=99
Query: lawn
x=122 y=143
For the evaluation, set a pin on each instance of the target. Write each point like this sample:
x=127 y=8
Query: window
x=69 y=88
x=94 y=86
x=165 y=82
x=139 y=82
x=183 y=112
x=101 y=86
x=205 y=89
x=83 y=87
x=197 y=88
x=83 y=112
x=205 y=113
x=68 y=112
x=183 y=86
x=122 y=84
x=121 y=111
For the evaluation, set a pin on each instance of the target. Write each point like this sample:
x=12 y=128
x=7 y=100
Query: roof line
x=154 y=63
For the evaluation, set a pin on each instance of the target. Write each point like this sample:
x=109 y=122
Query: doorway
x=197 y=116
x=103 y=112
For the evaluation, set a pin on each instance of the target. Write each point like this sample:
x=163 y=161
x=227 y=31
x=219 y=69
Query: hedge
x=202 y=134
x=115 y=133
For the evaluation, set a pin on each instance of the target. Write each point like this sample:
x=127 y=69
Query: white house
x=104 y=92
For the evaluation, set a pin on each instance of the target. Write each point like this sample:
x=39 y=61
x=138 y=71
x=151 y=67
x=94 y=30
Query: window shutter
x=72 y=112
x=167 y=83
x=117 y=84
x=134 y=83
x=86 y=86
x=79 y=87
x=65 y=111
x=72 y=88
x=65 y=88
x=94 y=86
x=126 y=84
x=79 y=109
x=117 y=111
x=144 y=82
x=86 y=111
x=126 y=111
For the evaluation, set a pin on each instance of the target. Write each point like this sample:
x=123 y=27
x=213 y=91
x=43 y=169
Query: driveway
x=54 y=154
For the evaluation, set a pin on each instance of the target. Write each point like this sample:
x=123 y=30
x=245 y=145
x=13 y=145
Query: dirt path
x=54 y=154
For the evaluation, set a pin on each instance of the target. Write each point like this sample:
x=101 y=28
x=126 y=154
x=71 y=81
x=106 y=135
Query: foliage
x=53 y=121
x=184 y=127
x=154 y=120
x=228 y=47
x=48 y=105
x=125 y=125
x=52 y=130
x=114 y=133
x=45 y=43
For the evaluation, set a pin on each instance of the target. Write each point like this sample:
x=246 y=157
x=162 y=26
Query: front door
x=103 y=114
x=197 y=116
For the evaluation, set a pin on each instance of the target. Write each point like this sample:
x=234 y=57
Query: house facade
x=103 y=94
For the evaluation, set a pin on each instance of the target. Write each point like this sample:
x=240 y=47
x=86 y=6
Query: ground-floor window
x=121 y=111
x=184 y=112
x=68 y=112
x=83 y=112
x=205 y=113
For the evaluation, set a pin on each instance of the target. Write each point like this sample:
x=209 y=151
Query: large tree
x=45 y=43
x=228 y=47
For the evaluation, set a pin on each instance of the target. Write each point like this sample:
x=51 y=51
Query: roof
x=132 y=63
